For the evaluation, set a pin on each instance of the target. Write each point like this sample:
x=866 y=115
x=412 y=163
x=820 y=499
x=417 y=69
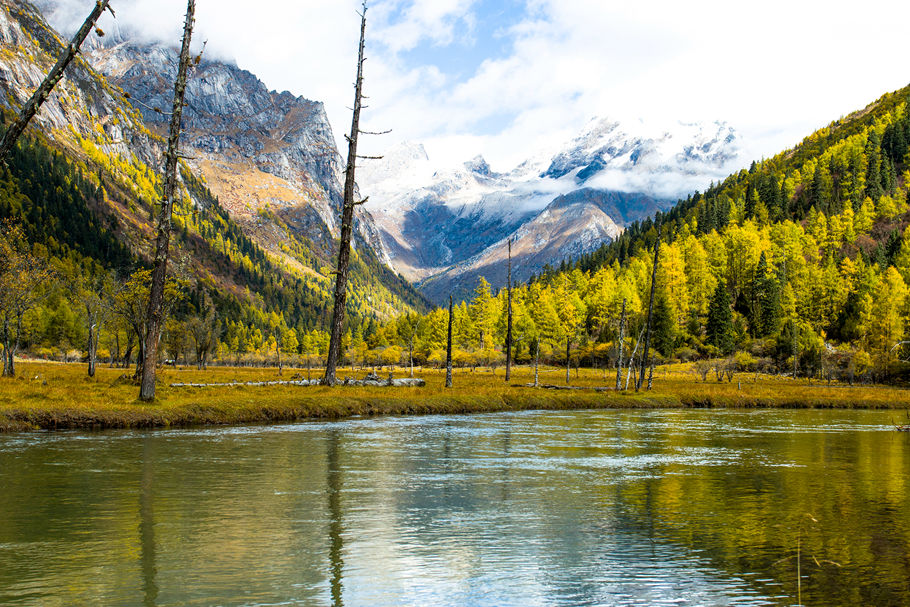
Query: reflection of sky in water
x=530 y=508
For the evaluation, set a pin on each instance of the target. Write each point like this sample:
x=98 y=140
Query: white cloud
x=774 y=70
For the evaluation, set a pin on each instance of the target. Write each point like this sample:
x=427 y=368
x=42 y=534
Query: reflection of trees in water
x=748 y=515
x=147 y=526
x=336 y=542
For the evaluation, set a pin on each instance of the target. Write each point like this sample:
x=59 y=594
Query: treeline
x=799 y=265
x=82 y=222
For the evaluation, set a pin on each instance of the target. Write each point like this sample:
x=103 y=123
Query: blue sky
x=507 y=79
x=484 y=35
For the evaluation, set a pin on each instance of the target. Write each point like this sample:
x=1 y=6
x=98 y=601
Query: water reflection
x=147 y=525
x=336 y=543
x=583 y=508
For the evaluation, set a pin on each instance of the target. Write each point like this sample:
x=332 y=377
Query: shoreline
x=60 y=397
x=337 y=407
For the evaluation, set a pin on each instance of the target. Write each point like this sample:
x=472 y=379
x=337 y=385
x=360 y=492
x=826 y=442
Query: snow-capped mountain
x=662 y=162
x=445 y=227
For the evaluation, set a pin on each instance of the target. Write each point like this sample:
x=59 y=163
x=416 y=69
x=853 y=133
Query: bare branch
x=50 y=81
x=375 y=132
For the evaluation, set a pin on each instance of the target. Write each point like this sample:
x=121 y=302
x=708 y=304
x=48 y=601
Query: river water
x=534 y=508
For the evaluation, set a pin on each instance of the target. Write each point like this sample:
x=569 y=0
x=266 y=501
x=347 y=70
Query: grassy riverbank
x=54 y=396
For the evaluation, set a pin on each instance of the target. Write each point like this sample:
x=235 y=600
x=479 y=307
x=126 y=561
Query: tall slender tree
x=449 y=344
x=646 y=353
x=622 y=337
x=32 y=106
x=347 y=218
x=156 y=305
x=509 y=325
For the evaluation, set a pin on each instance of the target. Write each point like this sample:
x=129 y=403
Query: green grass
x=55 y=396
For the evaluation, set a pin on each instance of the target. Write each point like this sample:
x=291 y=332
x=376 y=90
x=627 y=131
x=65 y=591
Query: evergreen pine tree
x=719 y=327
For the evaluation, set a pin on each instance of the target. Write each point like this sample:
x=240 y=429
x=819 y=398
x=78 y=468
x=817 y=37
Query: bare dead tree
x=163 y=241
x=647 y=351
x=347 y=218
x=449 y=345
x=622 y=337
x=509 y=325
x=92 y=293
x=32 y=106
x=632 y=359
x=537 y=362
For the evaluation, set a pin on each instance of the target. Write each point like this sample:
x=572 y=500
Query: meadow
x=51 y=396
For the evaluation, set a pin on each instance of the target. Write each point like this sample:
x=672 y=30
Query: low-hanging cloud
x=774 y=73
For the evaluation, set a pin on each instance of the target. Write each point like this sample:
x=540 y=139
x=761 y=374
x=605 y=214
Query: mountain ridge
x=446 y=227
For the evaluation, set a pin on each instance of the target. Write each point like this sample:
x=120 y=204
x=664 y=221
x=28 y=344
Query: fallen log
x=553 y=387
x=369 y=380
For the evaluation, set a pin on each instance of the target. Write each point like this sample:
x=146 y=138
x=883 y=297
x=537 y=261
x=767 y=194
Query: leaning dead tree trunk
x=347 y=219
x=449 y=346
x=32 y=106
x=632 y=359
x=509 y=322
x=647 y=351
x=622 y=337
x=163 y=241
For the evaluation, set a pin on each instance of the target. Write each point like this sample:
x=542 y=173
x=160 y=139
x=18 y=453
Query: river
x=622 y=508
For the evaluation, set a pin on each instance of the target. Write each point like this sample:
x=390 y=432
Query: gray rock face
x=82 y=104
x=232 y=114
x=282 y=145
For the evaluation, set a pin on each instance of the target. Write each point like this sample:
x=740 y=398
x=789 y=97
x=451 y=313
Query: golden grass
x=55 y=396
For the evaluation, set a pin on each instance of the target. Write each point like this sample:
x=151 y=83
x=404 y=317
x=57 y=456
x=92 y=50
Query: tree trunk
x=622 y=337
x=449 y=346
x=632 y=361
x=509 y=325
x=128 y=355
x=411 y=354
x=7 y=348
x=31 y=107
x=163 y=241
x=116 y=348
x=646 y=353
x=537 y=363
x=568 y=358
x=347 y=220
x=651 y=376
x=92 y=348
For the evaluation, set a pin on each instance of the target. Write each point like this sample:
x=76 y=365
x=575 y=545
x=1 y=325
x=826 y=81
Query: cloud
x=775 y=70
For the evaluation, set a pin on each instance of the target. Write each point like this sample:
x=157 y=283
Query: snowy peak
x=667 y=162
x=445 y=227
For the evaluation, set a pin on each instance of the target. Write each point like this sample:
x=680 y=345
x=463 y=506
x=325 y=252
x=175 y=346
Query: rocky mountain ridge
x=443 y=228
x=270 y=157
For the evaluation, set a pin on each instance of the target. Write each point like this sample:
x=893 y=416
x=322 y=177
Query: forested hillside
x=801 y=263
x=78 y=195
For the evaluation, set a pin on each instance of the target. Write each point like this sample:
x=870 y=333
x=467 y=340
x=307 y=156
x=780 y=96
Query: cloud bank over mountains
x=506 y=79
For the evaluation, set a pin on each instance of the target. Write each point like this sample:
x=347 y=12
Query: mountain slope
x=799 y=265
x=447 y=227
x=254 y=260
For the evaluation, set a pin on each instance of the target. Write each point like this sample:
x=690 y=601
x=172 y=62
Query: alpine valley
x=257 y=227
x=271 y=162
x=444 y=228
